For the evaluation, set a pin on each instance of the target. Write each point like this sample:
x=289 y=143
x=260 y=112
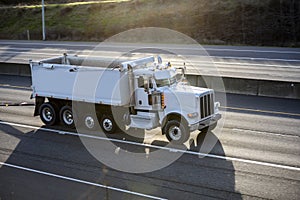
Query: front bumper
x=206 y=122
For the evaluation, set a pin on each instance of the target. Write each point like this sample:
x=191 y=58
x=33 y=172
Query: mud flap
x=38 y=102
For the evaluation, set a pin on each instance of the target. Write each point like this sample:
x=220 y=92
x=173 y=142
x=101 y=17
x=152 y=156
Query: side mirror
x=159 y=60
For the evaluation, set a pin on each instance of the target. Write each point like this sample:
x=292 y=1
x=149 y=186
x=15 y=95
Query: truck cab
x=163 y=97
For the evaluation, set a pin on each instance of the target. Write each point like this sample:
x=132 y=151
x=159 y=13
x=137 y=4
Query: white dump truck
x=143 y=93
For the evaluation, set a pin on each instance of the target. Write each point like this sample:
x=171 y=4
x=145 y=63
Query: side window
x=144 y=83
x=151 y=84
x=141 y=82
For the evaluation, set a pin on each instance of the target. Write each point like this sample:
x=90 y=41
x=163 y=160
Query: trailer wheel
x=90 y=122
x=66 y=116
x=176 y=132
x=48 y=113
x=108 y=124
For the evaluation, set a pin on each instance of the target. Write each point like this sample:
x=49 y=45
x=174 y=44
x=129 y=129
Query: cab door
x=142 y=92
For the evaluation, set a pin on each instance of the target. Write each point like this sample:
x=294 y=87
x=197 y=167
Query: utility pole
x=43 y=20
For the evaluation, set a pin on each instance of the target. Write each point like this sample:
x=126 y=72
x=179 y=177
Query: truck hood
x=188 y=89
x=182 y=99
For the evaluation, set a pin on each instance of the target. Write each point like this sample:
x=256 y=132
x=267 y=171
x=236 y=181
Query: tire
x=108 y=124
x=176 y=132
x=90 y=122
x=67 y=117
x=49 y=113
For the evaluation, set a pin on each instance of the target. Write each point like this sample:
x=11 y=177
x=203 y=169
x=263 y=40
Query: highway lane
x=262 y=152
x=262 y=63
x=213 y=50
x=10 y=48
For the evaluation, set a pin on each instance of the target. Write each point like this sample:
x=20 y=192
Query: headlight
x=192 y=115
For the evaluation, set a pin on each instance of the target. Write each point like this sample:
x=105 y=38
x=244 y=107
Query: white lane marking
x=218 y=63
x=263 y=132
x=260 y=59
x=258 y=51
x=158 y=147
x=20 y=49
x=261 y=111
x=258 y=64
x=214 y=57
x=154 y=46
x=48 y=44
x=14 y=86
x=31 y=53
x=80 y=181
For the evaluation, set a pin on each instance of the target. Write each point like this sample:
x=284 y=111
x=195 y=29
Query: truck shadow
x=189 y=177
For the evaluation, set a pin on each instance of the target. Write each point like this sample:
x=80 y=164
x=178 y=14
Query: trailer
x=141 y=93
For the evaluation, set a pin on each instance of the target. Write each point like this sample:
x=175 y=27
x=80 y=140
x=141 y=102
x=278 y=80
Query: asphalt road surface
x=266 y=63
x=257 y=156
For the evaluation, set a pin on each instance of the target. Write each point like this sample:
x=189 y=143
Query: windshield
x=165 y=82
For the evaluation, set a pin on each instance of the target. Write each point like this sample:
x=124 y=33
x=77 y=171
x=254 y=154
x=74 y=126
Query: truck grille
x=207 y=105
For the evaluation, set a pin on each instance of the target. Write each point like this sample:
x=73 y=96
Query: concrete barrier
x=266 y=88
x=15 y=69
x=279 y=89
x=232 y=85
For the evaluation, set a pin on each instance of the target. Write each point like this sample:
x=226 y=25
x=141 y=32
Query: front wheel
x=176 y=132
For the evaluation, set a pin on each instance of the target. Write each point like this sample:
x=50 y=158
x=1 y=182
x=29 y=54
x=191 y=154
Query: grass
x=212 y=22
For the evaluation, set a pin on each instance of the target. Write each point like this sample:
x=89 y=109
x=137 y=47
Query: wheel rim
x=68 y=117
x=175 y=133
x=89 y=122
x=107 y=124
x=47 y=114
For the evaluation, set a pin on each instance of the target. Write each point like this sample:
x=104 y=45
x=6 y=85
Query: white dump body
x=56 y=78
x=150 y=95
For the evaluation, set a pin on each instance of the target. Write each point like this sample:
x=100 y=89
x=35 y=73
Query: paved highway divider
x=257 y=87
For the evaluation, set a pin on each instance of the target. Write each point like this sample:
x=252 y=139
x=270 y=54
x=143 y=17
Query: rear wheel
x=90 y=122
x=48 y=113
x=66 y=116
x=108 y=124
x=176 y=132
